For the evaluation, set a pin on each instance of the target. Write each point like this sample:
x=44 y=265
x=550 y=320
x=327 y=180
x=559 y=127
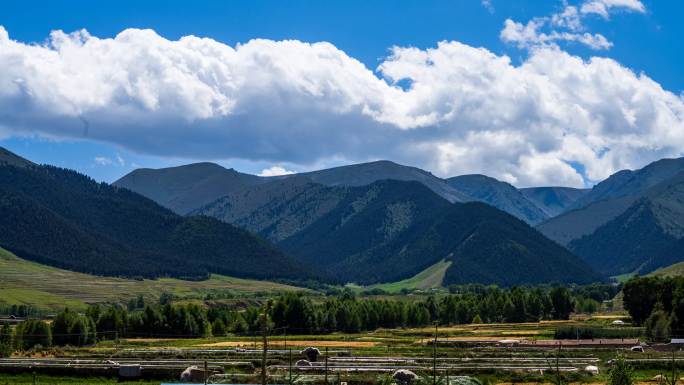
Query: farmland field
x=485 y=352
x=25 y=282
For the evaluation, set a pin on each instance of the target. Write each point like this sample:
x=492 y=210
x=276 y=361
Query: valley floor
x=492 y=353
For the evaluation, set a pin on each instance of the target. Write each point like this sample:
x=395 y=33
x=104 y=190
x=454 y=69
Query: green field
x=430 y=278
x=25 y=282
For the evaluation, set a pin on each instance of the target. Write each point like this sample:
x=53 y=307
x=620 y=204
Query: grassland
x=670 y=271
x=430 y=278
x=25 y=282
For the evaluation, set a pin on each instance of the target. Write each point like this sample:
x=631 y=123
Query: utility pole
x=206 y=371
x=434 y=358
x=290 y=366
x=326 y=365
x=264 y=334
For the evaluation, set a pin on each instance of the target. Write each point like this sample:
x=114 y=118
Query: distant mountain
x=391 y=230
x=630 y=183
x=10 y=158
x=553 y=201
x=648 y=235
x=278 y=209
x=190 y=188
x=499 y=194
x=366 y=173
x=186 y=188
x=608 y=199
x=62 y=218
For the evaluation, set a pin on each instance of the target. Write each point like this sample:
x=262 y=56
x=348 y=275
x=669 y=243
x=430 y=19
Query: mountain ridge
x=64 y=219
x=499 y=194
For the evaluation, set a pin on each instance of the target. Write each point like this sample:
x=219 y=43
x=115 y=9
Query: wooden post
x=326 y=365
x=206 y=372
x=434 y=358
x=264 y=334
x=290 y=366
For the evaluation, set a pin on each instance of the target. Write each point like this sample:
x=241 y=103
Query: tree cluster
x=292 y=313
x=658 y=304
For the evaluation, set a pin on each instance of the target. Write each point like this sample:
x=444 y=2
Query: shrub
x=620 y=373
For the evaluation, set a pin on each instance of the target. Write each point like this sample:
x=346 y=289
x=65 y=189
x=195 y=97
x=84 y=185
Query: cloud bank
x=554 y=119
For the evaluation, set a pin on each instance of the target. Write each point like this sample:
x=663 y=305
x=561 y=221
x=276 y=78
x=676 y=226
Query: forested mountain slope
x=553 y=201
x=65 y=219
x=646 y=236
x=608 y=200
x=391 y=230
x=499 y=194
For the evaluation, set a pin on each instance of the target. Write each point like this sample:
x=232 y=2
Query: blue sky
x=646 y=42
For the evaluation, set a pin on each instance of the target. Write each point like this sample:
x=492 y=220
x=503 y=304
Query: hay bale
x=192 y=374
x=592 y=369
x=404 y=377
x=311 y=353
x=464 y=380
x=303 y=363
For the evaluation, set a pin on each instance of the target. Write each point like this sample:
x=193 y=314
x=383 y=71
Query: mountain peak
x=501 y=195
x=9 y=158
x=184 y=188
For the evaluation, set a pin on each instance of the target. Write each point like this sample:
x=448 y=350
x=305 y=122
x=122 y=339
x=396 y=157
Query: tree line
x=657 y=303
x=294 y=313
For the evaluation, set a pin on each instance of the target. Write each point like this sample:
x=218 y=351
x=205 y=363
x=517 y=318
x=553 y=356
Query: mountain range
x=585 y=221
x=189 y=188
x=61 y=218
x=365 y=223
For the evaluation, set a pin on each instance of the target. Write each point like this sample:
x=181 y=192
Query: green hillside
x=670 y=271
x=432 y=277
x=45 y=287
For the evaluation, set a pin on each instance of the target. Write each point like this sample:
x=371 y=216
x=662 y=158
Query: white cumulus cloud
x=530 y=35
x=275 y=171
x=566 y=25
x=467 y=110
x=604 y=7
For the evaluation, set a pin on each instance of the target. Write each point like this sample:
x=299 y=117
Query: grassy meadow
x=45 y=287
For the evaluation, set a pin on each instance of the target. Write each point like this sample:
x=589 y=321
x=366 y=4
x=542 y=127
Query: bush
x=657 y=324
x=620 y=373
x=31 y=333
